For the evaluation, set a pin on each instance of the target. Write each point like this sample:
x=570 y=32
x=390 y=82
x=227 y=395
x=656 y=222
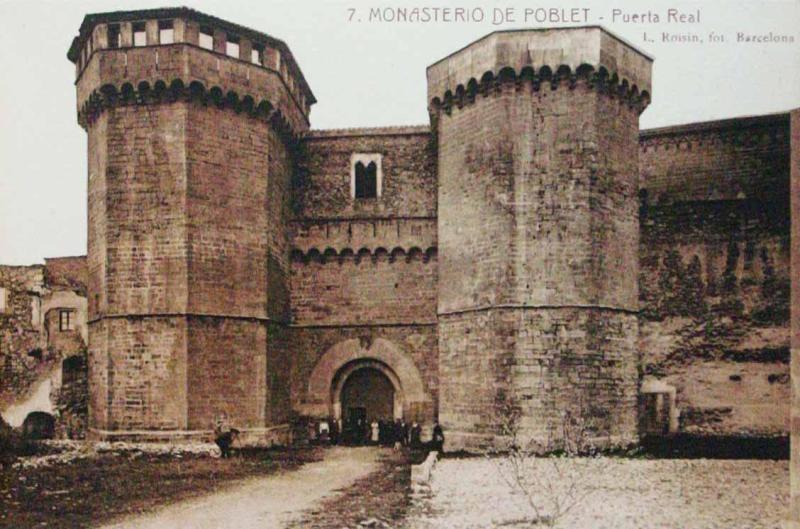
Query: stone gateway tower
x=537 y=135
x=486 y=270
x=191 y=123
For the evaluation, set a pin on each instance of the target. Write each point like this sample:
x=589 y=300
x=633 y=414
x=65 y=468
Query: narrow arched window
x=366 y=176
x=366 y=180
x=371 y=181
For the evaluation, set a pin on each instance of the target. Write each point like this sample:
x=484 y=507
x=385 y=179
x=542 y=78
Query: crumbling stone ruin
x=531 y=246
x=43 y=337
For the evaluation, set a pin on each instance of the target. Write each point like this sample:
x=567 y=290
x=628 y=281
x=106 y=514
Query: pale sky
x=363 y=74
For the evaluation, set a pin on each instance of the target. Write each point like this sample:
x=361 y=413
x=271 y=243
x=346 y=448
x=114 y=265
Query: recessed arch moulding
x=331 y=371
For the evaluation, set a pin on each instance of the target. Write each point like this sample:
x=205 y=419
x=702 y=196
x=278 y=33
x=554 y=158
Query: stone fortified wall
x=713 y=314
x=192 y=125
x=714 y=279
x=365 y=270
x=538 y=234
x=231 y=269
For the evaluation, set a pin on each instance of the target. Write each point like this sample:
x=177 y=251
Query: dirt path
x=263 y=503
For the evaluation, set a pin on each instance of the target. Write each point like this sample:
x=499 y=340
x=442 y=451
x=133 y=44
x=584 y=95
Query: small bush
x=13 y=445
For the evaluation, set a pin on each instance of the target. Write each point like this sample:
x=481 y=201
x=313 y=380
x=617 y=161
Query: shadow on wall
x=38 y=400
x=688 y=446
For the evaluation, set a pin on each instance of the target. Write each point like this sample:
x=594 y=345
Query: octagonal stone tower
x=537 y=135
x=191 y=124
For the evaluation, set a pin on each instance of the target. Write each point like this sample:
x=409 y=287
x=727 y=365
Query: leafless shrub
x=549 y=475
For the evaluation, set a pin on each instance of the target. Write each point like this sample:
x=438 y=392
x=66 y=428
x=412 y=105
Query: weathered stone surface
x=20 y=331
x=35 y=345
x=553 y=48
x=231 y=270
x=322 y=184
x=538 y=241
x=188 y=239
x=714 y=272
x=794 y=511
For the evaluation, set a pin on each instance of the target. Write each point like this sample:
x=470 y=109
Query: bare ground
x=379 y=500
x=266 y=502
x=88 y=491
x=625 y=494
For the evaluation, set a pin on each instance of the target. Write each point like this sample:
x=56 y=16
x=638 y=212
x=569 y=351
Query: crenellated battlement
x=127 y=94
x=165 y=54
x=554 y=57
x=601 y=80
x=674 y=162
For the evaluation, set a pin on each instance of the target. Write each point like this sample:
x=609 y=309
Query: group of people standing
x=383 y=432
x=397 y=433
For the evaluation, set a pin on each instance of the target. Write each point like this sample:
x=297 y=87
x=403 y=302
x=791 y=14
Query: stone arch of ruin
x=348 y=356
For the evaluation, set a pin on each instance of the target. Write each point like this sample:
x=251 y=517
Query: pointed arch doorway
x=365 y=391
x=369 y=394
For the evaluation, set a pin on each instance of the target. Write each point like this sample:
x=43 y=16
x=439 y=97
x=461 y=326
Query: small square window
x=255 y=54
x=139 y=34
x=206 y=38
x=114 y=36
x=232 y=47
x=166 y=32
x=66 y=320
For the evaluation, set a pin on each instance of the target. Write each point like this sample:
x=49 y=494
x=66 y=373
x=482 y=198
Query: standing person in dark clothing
x=388 y=436
x=437 y=443
x=335 y=431
x=416 y=436
x=397 y=433
x=389 y=427
x=351 y=427
x=404 y=433
x=387 y=432
x=365 y=431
